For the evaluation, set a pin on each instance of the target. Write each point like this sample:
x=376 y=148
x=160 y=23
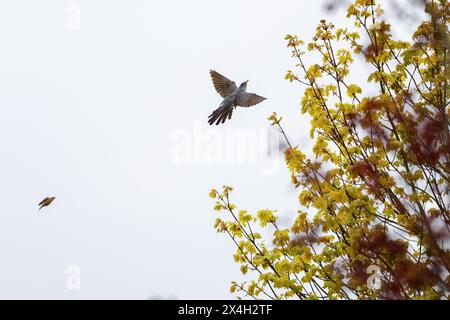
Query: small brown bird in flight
x=232 y=95
x=46 y=202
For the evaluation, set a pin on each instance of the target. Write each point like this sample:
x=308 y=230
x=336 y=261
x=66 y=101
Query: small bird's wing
x=222 y=84
x=246 y=99
x=43 y=201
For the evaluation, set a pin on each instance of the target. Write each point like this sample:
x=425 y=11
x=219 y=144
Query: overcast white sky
x=106 y=118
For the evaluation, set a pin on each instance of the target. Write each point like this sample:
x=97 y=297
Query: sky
x=104 y=105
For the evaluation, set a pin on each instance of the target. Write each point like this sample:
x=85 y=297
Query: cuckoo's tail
x=220 y=115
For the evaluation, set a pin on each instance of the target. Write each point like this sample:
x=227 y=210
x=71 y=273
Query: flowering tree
x=374 y=206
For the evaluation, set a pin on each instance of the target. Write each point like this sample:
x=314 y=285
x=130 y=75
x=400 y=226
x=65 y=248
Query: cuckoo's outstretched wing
x=246 y=99
x=222 y=84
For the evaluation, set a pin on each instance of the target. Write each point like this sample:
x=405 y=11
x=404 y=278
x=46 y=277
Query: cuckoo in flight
x=46 y=202
x=232 y=95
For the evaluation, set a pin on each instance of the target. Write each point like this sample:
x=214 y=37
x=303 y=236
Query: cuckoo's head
x=244 y=85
